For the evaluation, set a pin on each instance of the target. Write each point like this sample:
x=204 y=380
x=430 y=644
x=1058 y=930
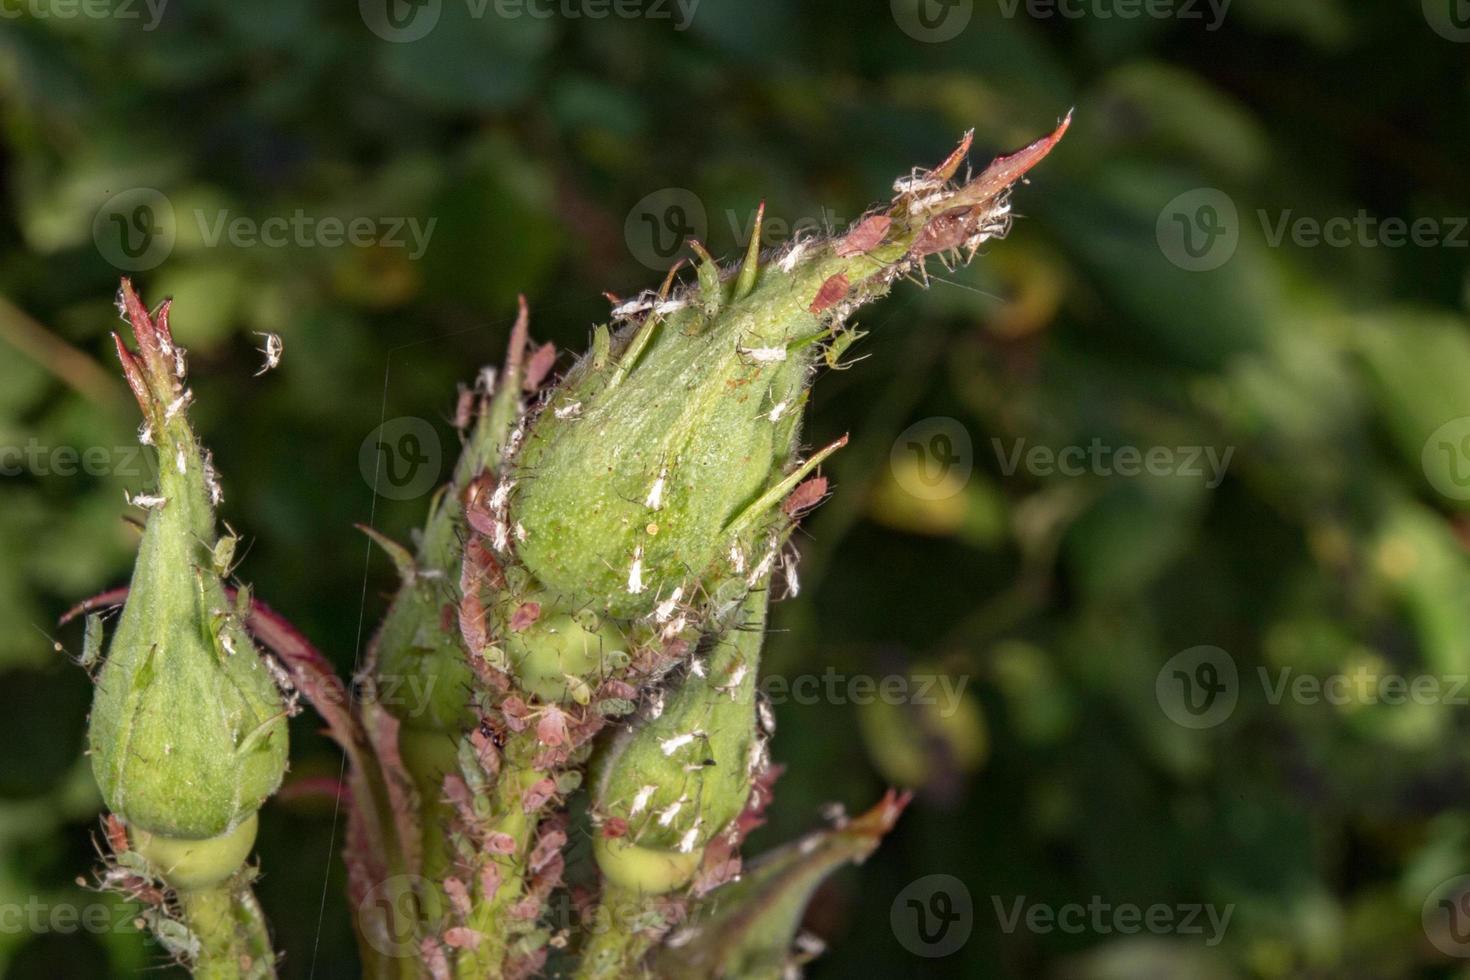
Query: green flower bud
x=558 y=658
x=194 y=865
x=188 y=733
x=666 y=451
x=684 y=773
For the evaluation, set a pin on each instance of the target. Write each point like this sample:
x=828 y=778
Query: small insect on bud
x=273 y=349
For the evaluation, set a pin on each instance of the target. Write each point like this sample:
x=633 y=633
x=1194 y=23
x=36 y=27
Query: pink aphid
x=865 y=237
x=833 y=291
x=807 y=495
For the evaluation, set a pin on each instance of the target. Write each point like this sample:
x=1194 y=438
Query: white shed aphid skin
x=737 y=558
x=211 y=480
x=674 y=627
x=180 y=460
x=667 y=815
x=671 y=745
x=570 y=411
x=766 y=716
x=696 y=667
x=180 y=363
x=635 y=572
x=788 y=262
x=759 y=571
x=690 y=838
x=145 y=434
x=641 y=798
x=755 y=760
x=282 y=677
x=655 y=499
x=918 y=181
x=630 y=308
x=147 y=501
x=763 y=355
x=665 y=610
x=670 y=306
x=775 y=414
x=835 y=814
x=520 y=531
x=656 y=705
x=682 y=937
x=178 y=405
x=485 y=381
x=737 y=676
x=273 y=349
x=513 y=443
x=789 y=575
x=809 y=944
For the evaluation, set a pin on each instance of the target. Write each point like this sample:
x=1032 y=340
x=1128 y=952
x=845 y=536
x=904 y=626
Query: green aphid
x=92 y=641
x=175 y=937
x=222 y=555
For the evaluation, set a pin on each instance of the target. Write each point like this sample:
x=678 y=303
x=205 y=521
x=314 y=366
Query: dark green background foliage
x=1056 y=598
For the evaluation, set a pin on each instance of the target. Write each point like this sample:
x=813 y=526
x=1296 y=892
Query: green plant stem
x=616 y=947
x=234 y=943
x=250 y=921
x=489 y=915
